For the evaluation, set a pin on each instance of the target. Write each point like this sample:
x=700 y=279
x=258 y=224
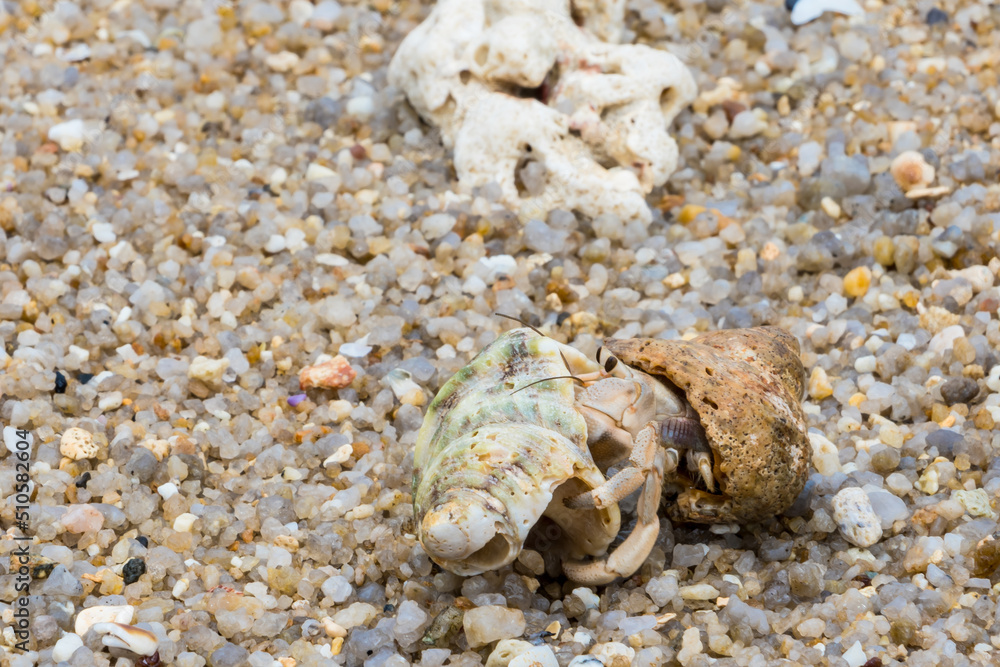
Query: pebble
x=945 y=339
x=613 y=654
x=857 y=281
x=866 y=364
x=282 y=62
x=82 y=519
x=824 y=454
x=484 y=625
x=699 y=592
x=691 y=646
x=517 y=653
x=976 y=503
x=959 y=390
x=590 y=599
x=229 y=655
x=358 y=613
x=857 y=521
x=747 y=124
x=78 y=444
x=888 y=508
x=207 y=370
x=70 y=135
x=811 y=628
x=819 y=384
x=184 y=522
x=332 y=374
x=66 y=646
x=855 y=655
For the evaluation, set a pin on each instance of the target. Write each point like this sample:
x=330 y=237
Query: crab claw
x=702 y=462
x=464 y=527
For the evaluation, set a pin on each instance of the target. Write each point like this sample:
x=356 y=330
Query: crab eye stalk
x=610 y=363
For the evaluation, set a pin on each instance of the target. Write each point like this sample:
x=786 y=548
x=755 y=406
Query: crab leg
x=702 y=462
x=631 y=553
x=627 y=480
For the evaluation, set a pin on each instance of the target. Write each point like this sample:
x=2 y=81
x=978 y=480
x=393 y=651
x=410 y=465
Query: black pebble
x=935 y=16
x=959 y=390
x=84 y=378
x=389 y=608
x=143 y=541
x=790 y=4
x=81 y=482
x=133 y=569
x=60 y=383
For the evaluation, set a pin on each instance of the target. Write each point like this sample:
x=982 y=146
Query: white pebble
x=588 y=597
x=68 y=135
x=945 y=339
x=65 y=647
x=184 y=522
x=612 y=653
x=275 y=244
x=747 y=124
x=103 y=232
x=691 y=646
x=167 y=490
x=824 y=454
x=316 y=172
x=865 y=364
x=699 y=592
x=282 y=62
x=993 y=381
x=855 y=656
x=852 y=510
x=207 y=370
x=361 y=107
x=111 y=401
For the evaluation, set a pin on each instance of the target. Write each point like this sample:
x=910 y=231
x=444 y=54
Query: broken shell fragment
x=128 y=637
x=910 y=170
x=333 y=374
x=78 y=444
x=91 y=616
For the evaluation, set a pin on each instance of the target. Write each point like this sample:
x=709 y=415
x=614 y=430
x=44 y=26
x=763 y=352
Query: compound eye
x=610 y=363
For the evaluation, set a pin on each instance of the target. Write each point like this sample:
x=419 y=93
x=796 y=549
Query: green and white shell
x=490 y=461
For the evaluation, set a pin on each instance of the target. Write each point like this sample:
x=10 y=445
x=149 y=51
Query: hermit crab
x=531 y=427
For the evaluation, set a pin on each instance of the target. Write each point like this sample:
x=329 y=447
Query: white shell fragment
x=92 y=616
x=78 y=444
x=858 y=523
x=18 y=440
x=519 y=86
x=911 y=171
x=805 y=11
x=128 y=637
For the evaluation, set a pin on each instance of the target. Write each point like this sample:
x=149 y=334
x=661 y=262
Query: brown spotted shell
x=746 y=386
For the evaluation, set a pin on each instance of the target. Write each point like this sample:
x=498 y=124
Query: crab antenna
x=555 y=377
x=520 y=321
